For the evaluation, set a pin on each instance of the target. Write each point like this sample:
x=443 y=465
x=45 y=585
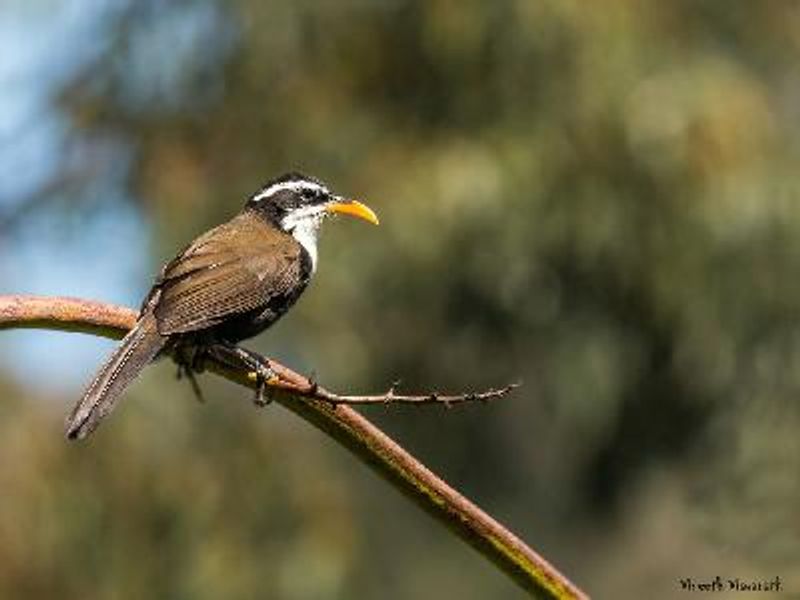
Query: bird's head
x=298 y=204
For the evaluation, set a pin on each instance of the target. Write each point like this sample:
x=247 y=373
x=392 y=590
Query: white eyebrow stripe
x=294 y=186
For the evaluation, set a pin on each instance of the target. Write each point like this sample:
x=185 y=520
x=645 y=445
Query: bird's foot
x=264 y=378
x=264 y=375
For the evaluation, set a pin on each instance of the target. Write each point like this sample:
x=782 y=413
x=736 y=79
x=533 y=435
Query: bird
x=228 y=285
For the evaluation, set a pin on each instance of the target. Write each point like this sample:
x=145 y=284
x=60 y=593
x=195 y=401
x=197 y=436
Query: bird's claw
x=258 y=366
x=265 y=377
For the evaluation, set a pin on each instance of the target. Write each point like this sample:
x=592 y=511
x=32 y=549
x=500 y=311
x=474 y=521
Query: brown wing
x=215 y=278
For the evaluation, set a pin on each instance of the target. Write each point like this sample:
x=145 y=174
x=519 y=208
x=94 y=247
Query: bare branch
x=392 y=397
x=314 y=391
x=326 y=411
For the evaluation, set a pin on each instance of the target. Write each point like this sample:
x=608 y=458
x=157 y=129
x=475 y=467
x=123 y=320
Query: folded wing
x=214 y=278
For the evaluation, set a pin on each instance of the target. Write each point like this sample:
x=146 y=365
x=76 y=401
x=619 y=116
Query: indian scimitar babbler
x=228 y=285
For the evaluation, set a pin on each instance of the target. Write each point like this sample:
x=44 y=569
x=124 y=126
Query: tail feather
x=135 y=351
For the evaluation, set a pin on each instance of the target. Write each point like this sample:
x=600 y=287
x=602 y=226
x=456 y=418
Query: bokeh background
x=598 y=199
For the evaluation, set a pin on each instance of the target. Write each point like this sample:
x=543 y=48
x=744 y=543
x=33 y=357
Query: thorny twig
x=392 y=397
x=313 y=390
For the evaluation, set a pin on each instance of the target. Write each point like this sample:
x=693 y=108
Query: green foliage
x=599 y=200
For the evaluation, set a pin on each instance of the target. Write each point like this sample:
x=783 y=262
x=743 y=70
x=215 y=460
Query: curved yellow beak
x=355 y=209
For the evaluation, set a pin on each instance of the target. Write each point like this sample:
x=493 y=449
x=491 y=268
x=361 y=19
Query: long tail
x=135 y=351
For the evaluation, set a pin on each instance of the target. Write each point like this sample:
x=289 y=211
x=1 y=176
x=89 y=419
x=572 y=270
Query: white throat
x=306 y=234
x=303 y=225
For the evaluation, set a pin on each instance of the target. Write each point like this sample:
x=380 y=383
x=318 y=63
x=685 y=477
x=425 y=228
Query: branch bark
x=307 y=399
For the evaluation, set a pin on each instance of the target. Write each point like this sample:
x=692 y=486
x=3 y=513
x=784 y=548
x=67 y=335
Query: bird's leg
x=190 y=360
x=231 y=353
x=264 y=374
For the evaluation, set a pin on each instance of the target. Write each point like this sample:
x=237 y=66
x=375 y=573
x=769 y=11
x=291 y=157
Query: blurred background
x=598 y=199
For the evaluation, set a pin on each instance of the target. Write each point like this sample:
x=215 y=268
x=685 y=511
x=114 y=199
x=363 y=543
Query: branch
x=392 y=397
x=311 y=389
x=324 y=410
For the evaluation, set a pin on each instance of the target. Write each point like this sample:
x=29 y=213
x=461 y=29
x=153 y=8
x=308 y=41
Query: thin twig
x=313 y=390
x=532 y=572
x=392 y=397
